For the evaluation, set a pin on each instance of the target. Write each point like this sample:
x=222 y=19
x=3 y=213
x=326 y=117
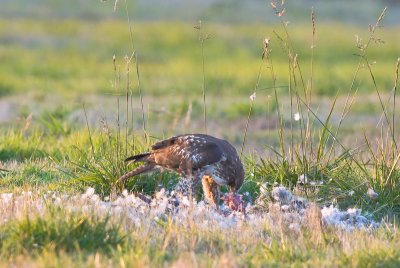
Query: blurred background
x=357 y=12
x=56 y=56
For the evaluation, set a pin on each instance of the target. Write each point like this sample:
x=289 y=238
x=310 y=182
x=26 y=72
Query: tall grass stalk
x=202 y=38
x=280 y=118
x=396 y=79
x=362 y=56
x=88 y=129
x=293 y=65
x=384 y=111
x=145 y=132
x=135 y=56
x=313 y=36
x=128 y=84
x=353 y=92
x=265 y=55
x=307 y=134
x=116 y=85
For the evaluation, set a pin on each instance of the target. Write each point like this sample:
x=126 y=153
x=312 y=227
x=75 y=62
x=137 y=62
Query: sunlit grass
x=169 y=56
x=60 y=232
x=45 y=229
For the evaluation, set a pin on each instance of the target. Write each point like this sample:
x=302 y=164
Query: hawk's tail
x=138 y=158
x=142 y=169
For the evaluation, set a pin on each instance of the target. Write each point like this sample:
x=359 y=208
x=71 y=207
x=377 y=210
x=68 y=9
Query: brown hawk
x=195 y=157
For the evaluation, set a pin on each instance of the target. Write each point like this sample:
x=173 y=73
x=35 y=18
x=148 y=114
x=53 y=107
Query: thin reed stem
x=129 y=25
x=134 y=54
x=204 y=87
x=312 y=18
x=363 y=48
x=252 y=98
x=127 y=103
x=362 y=168
x=381 y=102
x=396 y=79
x=88 y=128
x=291 y=106
x=310 y=92
x=146 y=136
x=202 y=38
x=117 y=80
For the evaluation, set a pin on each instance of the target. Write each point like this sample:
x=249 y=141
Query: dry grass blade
x=385 y=113
x=88 y=129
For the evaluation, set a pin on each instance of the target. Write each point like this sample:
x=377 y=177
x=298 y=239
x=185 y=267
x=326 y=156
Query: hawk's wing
x=187 y=153
x=164 y=143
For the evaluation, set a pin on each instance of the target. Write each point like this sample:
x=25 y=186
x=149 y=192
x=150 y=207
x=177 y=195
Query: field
x=310 y=105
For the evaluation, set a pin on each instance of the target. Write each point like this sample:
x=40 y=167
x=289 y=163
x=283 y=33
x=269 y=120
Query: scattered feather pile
x=139 y=210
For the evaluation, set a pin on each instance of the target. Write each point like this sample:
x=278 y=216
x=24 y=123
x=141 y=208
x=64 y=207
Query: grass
x=173 y=56
x=60 y=232
x=80 y=231
x=55 y=151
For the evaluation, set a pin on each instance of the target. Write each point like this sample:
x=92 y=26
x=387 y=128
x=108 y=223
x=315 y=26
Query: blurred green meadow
x=51 y=63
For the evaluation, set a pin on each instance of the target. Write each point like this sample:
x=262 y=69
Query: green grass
x=41 y=58
x=19 y=146
x=76 y=233
x=60 y=232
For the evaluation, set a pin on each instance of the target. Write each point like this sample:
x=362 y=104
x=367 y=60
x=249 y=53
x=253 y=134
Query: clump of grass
x=99 y=164
x=60 y=231
x=311 y=156
x=96 y=159
x=102 y=166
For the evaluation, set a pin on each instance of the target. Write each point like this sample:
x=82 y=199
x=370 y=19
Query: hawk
x=195 y=157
